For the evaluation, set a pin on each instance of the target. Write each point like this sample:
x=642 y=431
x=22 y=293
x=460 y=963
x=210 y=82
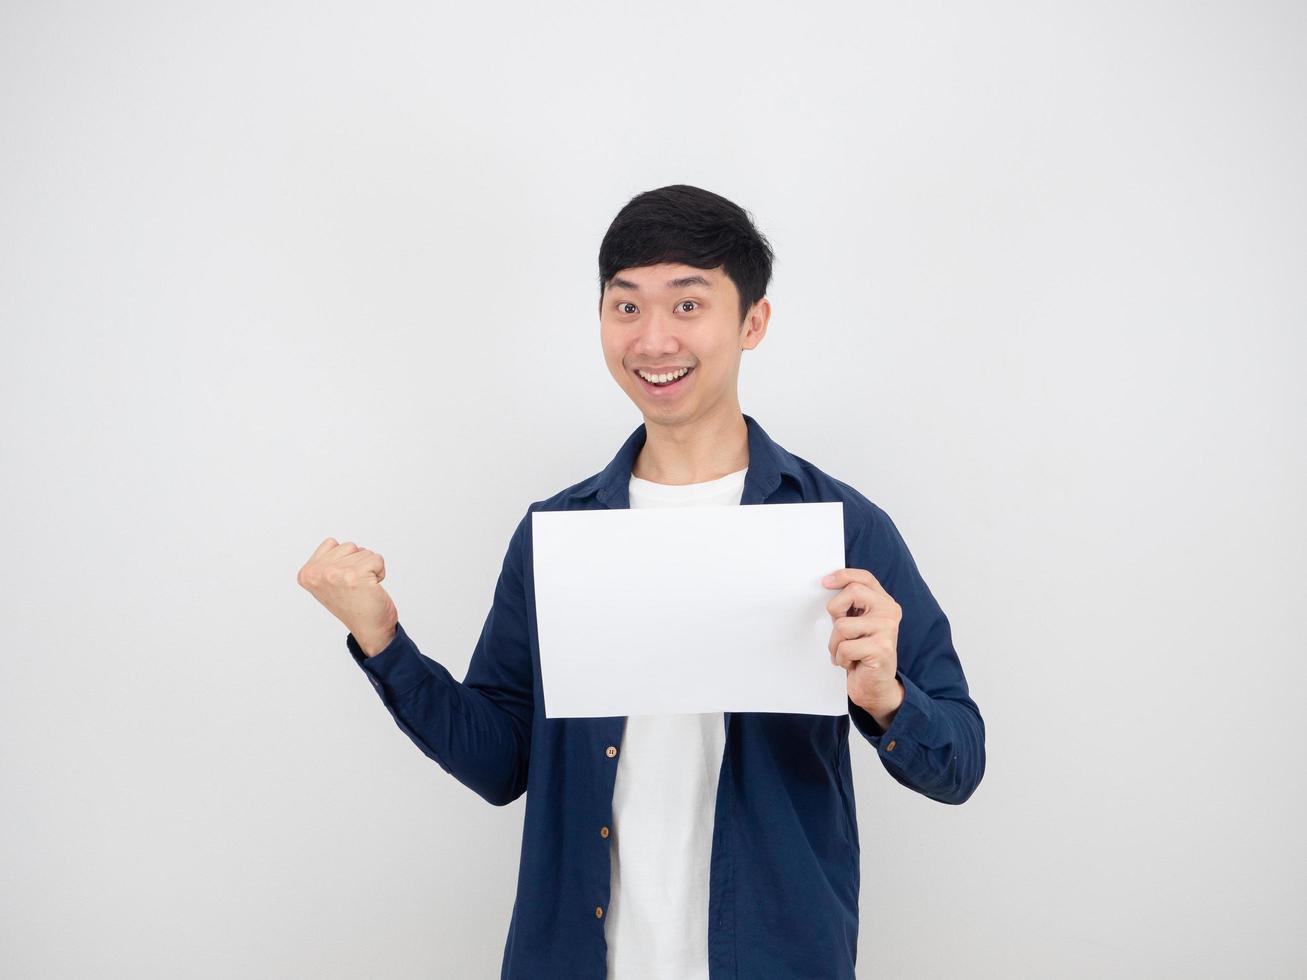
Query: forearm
x=482 y=743
x=935 y=746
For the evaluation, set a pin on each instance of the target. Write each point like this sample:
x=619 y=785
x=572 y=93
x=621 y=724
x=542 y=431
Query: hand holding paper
x=865 y=639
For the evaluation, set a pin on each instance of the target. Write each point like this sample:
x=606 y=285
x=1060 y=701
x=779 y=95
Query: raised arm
x=478 y=730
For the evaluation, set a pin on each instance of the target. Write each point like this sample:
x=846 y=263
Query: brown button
x=611 y=751
x=890 y=747
x=603 y=831
x=599 y=912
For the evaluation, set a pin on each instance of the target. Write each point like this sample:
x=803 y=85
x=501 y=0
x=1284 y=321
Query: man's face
x=657 y=319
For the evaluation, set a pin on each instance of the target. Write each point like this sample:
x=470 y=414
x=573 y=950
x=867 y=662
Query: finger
x=322 y=549
x=843 y=576
x=852 y=628
x=307 y=571
x=867 y=651
x=855 y=599
x=340 y=551
x=361 y=559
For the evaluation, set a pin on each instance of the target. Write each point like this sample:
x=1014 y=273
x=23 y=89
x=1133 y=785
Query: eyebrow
x=618 y=282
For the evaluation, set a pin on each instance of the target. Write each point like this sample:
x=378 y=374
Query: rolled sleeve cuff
x=910 y=729
x=394 y=670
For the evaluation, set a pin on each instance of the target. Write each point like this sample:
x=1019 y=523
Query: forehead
x=667 y=275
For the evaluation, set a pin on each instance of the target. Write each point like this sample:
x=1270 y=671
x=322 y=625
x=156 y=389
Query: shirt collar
x=767 y=463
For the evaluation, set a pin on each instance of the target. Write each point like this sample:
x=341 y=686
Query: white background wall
x=270 y=273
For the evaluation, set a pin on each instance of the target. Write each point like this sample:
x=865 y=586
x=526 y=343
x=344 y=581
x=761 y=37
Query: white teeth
x=660 y=378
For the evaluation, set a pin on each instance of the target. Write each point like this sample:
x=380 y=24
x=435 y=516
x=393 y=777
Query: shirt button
x=611 y=751
x=603 y=831
x=599 y=912
x=890 y=747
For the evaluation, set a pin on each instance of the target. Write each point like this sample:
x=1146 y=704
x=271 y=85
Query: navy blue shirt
x=783 y=883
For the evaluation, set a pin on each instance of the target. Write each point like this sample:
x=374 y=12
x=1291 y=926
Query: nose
x=657 y=336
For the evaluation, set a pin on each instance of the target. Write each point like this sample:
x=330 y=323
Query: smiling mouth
x=666 y=384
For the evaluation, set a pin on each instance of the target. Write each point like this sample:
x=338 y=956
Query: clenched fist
x=347 y=580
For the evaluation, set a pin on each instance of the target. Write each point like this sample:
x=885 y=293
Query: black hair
x=692 y=226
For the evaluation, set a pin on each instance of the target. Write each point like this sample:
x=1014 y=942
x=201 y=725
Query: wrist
x=883 y=713
x=373 y=645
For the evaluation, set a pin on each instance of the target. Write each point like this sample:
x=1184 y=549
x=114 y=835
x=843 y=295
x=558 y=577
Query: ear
x=754 y=327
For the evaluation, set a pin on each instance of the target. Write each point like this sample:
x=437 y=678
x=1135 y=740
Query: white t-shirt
x=664 y=803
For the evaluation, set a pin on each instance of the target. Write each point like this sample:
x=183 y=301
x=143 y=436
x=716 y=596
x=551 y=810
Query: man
x=682 y=846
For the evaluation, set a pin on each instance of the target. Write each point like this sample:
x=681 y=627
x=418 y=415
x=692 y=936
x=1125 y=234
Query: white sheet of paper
x=667 y=610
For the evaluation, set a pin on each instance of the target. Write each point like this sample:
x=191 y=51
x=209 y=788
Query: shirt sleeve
x=479 y=729
x=935 y=743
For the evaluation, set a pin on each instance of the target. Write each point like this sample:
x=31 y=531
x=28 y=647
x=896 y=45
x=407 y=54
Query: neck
x=696 y=451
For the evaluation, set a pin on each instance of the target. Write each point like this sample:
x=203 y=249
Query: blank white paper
x=688 y=609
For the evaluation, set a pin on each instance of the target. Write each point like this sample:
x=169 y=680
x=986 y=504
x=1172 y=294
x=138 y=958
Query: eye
x=684 y=301
x=622 y=304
